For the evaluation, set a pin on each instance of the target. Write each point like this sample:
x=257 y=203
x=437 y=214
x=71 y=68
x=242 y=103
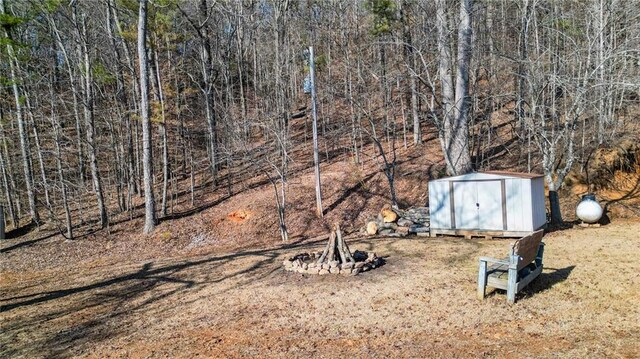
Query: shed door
x=490 y=201
x=465 y=196
x=478 y=205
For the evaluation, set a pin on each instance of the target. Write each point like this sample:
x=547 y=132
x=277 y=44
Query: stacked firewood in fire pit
x=394 y=222
x=335 y=259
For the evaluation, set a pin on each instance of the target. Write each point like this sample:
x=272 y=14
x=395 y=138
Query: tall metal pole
x=316 y=155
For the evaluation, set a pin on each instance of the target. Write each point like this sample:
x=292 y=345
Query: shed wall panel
x=515 y=220
x=527 y=213
x=538 y=203
x=439 y=205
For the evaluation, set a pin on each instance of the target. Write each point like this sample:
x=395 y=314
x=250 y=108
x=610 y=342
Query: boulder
x=348 y=265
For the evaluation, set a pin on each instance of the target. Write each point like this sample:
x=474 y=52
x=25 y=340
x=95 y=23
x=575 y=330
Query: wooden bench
x=514 y=272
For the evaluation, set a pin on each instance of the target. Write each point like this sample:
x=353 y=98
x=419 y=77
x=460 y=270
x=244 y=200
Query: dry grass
x=420 y=304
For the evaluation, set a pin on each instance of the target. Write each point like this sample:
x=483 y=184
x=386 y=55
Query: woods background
x=225 y=84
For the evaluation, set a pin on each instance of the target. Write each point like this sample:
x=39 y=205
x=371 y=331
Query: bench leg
x=482 y=280
x=512 y=285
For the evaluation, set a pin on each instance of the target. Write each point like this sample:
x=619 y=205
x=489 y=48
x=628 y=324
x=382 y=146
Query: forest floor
x=241 y=303
x=208 y=282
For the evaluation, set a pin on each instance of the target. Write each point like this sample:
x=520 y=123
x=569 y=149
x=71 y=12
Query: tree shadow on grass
x=21 y=231
x=65 y=321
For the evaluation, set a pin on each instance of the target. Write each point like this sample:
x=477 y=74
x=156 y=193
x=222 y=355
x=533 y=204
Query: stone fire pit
x=335 y=259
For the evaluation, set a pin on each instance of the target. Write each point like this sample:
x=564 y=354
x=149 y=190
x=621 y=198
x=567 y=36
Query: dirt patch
x=239 y=216
x=421 y=303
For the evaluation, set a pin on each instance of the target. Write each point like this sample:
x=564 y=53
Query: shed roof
x=514 y=174
x=489 y=175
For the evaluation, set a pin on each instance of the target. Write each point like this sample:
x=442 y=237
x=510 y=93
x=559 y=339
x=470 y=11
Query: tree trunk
x=147 y=164
x=74 y=95
x=411 y=92
x=129 y=168
x=316 y=155
x=207 y=91
x=89 y=123
x=40 y=153
x=163 y=133
x=455 y=105
x=63 y=187
x=8 y=192
x=132 y=136
x=8 y=177
x=24 y=142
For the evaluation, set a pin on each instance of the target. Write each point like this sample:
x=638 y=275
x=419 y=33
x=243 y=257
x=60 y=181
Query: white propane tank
x=589 y=210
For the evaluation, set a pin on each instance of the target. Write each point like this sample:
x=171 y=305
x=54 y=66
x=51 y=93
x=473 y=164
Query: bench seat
x=516 y=271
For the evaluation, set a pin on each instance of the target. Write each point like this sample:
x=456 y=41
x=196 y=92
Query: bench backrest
x=527 y=248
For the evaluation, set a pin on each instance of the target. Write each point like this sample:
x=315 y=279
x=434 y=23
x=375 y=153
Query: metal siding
x=490 y=205
x=439 y=205
x=465 y=196
x=527 y=223
x=515 y=220
x=538 y=203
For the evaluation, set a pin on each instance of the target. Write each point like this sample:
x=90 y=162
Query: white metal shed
x=495 y=203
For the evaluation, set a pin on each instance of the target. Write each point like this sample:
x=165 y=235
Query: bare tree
x=147 y=164
x=455 y=105
x=24 y=142
x=88 y=103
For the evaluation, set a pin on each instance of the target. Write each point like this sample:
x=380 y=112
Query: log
x=347 y=251
x=389 y=226
x=326 y=250
x=388 y=216
x=340 y=245
x=403 y=222
x=385 y=232
x=372 y=228
x=332 y=248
